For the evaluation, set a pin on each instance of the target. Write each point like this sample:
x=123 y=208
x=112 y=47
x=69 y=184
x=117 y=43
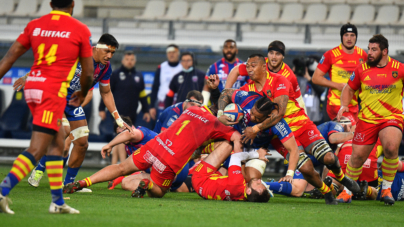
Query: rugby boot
x=364 y=191
x=75 y=186
x=344 y=197
x=36 y=176
x=315 y=194
x=63 y=209
x=330 y=199
x=141 y=189
x=350 y=184
x=387 y=197
x=4 y=201
x=115 y=182
x=328 y=182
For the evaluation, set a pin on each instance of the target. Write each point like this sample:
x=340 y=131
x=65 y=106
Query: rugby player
x=274 y=64
x=339 y=63
x=222 y=68
x=170 y=114
x=168 y=152
x=380 y=85
x=278 y=89
x=58 y=42
x=75 y=121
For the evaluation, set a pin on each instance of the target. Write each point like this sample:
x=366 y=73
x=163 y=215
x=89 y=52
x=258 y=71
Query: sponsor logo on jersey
x=367 y=78
x=280 y=126
x=36 y=77
x=78 y=112
x=352 y=61
x=360 y=60
x=33 y=95
x=269 y=93
x=365 y=165
x=322 y=59
x=194 y=115
x=311 y=133
x=166 y=145
x=170 y=121
x=359 y=137
x=297 y=172
x=394 y=74
x=151 y=159
x=237 y=172
x=52 y=34
x=242 y=93
x=385 y=75
x=352 y=76
x=281 y=86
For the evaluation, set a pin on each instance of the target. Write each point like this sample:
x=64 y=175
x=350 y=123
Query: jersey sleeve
x=354 y=81
x=107 y=76
x=239 y=96
x=236 y=183
x=325 y=63
x=85 y=45
x=336 y=128
x=24 y=37
x=160 y=121
x=282 y=130
x=281 y=87
x=219 y=130
x=242 y=70
x=211 y=70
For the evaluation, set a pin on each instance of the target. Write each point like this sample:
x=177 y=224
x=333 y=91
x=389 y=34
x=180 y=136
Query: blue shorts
x=181 y=177
x=298 y=175
x=74 y=113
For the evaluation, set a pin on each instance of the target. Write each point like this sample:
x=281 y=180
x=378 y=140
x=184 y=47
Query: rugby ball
x=234 y=112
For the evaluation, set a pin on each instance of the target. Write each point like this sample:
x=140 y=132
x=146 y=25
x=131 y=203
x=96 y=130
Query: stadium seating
x=154 y=9
x=363 y=14
x=264 y=16
x=338 y=14
x=45 y=9
x=315 y=13
x=245 y=11
x=25 y=8
x=291 y=13
x=176 y=10
x=199 y=10
x=7 y=7
x=221 y=11
x=386 y=15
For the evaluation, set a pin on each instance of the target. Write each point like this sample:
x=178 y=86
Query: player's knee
x=322 y=152
x=79 y=136
x=390 y=150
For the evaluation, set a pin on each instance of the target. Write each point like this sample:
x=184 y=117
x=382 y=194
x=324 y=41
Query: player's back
x=57 y=41
x=220 y=187
x=167 y=118
x=177 y=143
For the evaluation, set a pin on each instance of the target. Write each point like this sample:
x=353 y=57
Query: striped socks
x=24 y=163
x=353 y=173
x=389 y=170
x=324 y=189
x=54 y=168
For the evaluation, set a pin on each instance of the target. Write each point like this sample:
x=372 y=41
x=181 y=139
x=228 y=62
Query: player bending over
x=167 y=153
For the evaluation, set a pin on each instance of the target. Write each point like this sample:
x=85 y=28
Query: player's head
x=230 y=50
x=187 y=61
x=105 y=48
x=65 y=5
x=256 y=191
x=173 y=53
x=127 y=120
x=276 y=53
x=349 y=35
x=129 y=60
x=377 y=49
x=344 y=122
x=194 y=98
x=256 y=67
x=262 y=108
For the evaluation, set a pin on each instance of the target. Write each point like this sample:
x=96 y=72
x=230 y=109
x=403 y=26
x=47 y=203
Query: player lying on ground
x=131 y=142
x=380 y=85
x=168 y=152
x=211 y=184
x=256 y=110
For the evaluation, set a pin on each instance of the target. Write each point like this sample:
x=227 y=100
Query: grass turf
x=115 y=207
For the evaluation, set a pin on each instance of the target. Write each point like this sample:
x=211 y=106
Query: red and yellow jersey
x=57 y=41
x=380 y=91
x=285 y=71
x=275 y=86
x=340 y=65
x=176 y=144
x=369 y=170
x=218 y=187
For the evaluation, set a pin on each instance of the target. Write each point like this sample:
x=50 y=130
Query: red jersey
x=380 y=91
x=340 y=65
x=57 y=41
x=369 y=170
x=231 y=187
x=285 y=71
x=275 y=86
x=176 y=144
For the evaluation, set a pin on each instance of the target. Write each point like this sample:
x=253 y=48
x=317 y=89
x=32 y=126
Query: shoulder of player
x=360 y=51
x=395 y=64
x=286 y=71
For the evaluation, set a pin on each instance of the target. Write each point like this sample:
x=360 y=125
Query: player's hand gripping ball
x=234 y=112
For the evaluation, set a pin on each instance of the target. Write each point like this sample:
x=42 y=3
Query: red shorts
x=307 y=136
x=368 y=174
x=161 y=174
x=202 y=173
x=352 y=114
x=46 y=108
x=367 y=133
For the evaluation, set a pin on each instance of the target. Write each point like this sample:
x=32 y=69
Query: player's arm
x=15 y=51
x=87 y=71
x=319 y=79
x=340 y=137
x=348 y=92
x=20 y=82
x=276 y=115
x=122 y=137
x=232 y=77
x=225 y=99
x=88 y=98
x=236 y=139
x=293 y=150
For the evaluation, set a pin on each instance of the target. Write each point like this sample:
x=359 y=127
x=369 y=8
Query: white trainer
x=84 y=190
x=35 y=178
x=64 y=209
x=4 y=201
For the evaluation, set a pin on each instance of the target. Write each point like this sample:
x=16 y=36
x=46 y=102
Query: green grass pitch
x=115 y=207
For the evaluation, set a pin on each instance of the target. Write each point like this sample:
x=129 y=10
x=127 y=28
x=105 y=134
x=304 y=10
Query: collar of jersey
x=60 y=13
x=207 y=108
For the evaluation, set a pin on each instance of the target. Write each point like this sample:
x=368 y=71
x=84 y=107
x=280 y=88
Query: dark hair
x=230 y=41
x=277 y=46
x=256 y=197
x=260 y=56
x=381 y=40
x=196 y=94
x=265 y=106
x=109 y=40
x=188 y=53
x=129 y=52
x=173 y=45
x=61 y=3
x=126 y=119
